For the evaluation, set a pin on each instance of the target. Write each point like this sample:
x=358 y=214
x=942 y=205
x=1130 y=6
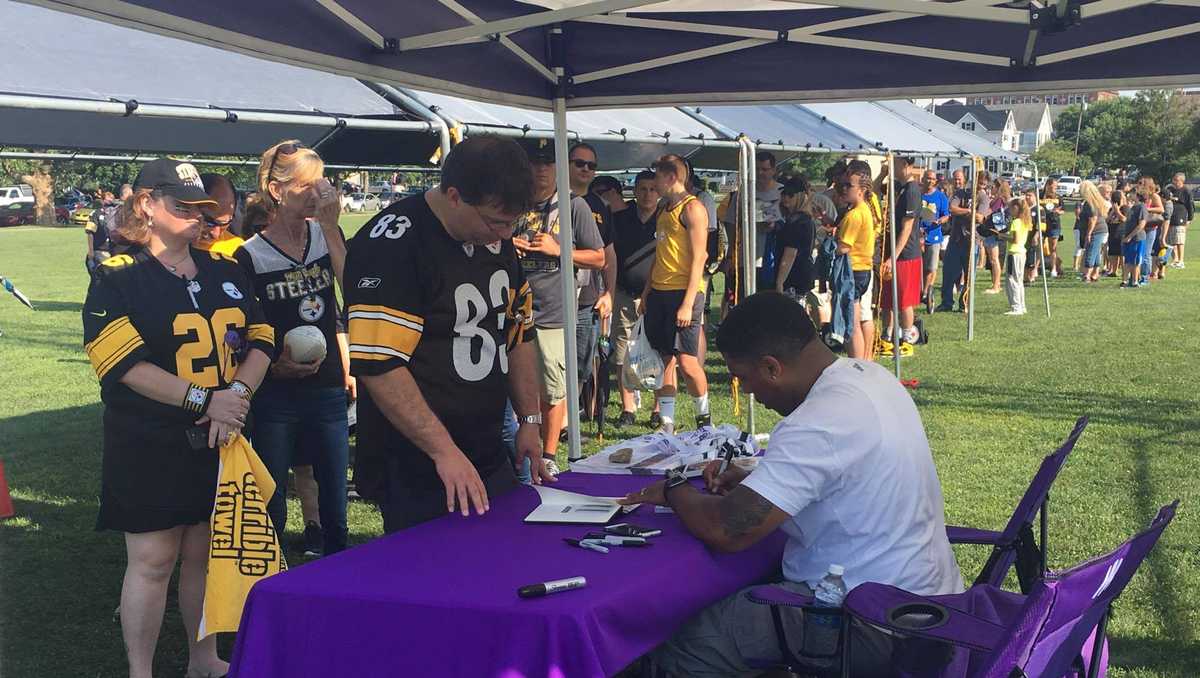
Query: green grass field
x=992 y=409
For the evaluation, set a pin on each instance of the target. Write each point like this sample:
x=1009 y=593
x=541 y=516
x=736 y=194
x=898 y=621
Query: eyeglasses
x=844 y=185
x=213 y=223
x=494 y=223
x=180 y=208
x=285 y=149
x=581 y=164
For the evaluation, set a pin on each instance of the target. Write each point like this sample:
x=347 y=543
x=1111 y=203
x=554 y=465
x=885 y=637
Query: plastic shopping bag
x=643 y=366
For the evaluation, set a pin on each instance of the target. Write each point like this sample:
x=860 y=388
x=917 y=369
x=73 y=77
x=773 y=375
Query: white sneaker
x=551 y=466
x=1014 y=313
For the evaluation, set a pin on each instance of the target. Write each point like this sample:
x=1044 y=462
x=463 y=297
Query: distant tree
x=1058 y=156
x=1155 y=131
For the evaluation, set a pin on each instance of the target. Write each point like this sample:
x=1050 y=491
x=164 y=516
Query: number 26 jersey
x=447 y=311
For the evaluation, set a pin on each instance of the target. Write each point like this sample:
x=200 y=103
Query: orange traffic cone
x=6 y=507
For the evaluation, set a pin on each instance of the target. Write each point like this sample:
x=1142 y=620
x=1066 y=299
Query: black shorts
x=659 y=322
x=1114 y=240
x=862 y=283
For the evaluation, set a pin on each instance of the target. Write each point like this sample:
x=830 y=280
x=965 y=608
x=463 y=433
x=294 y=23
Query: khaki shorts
x=552 y=364
x=1177 y=235
x=624 y=318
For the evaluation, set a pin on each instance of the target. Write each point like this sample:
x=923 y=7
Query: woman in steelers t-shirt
x=293 y=263
x=179 y=345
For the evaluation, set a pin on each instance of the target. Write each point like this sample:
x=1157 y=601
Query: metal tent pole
x=976 y=161
x=1041 y=252
x=892 y=198
x=566 y=239
x=750 y=281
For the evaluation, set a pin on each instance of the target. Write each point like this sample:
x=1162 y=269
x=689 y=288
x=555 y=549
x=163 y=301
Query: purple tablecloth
x=441 y=599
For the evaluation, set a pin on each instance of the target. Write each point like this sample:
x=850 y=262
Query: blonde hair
x=1150 y=184
x=303 y=165
x=1019 y=209
x=1002 y=189
x=1091 y=193
x=133 y=223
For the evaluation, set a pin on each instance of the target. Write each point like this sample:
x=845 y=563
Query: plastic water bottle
x=822 y=633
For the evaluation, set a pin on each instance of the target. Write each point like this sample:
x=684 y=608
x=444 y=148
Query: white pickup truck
x=11 y=195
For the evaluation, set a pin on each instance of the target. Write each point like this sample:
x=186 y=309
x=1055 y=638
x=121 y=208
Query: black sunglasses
x=285 y=149
x=213 y=223
x=585 y=163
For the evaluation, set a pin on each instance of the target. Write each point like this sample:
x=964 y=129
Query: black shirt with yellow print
x=136 y=310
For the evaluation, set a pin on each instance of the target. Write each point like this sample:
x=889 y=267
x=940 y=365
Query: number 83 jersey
x=447 y=311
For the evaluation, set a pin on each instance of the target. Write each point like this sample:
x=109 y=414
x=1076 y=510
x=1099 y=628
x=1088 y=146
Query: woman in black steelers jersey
x=179 y=345
x=294 y=262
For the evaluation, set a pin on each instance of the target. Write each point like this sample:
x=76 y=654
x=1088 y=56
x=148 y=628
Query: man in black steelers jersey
x=441 y=320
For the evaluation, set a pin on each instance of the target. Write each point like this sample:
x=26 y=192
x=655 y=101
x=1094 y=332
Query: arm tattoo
x=742 y=511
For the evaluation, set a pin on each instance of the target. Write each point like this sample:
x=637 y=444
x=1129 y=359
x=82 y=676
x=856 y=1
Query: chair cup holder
x=918 y=616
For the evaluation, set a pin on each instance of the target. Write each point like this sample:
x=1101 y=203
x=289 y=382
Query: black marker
x=546 y=588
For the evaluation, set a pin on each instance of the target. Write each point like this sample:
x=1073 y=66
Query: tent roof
x=785 y=124
x=966 y=142
x=58 y=63
x=695 y=51
x=656 y=126
x=880 y=126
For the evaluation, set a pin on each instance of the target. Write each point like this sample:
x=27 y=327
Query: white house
x=998 y=127
x=1035 y=124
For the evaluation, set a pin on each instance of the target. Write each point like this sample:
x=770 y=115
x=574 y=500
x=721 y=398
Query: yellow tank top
x=673 y=252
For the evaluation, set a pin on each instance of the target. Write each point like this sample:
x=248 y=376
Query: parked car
x=360 y=202
x=1068 y=186
x=17 y=214
x=386 y=198
x=62 y=215
x=11 y=195
x=81 y=214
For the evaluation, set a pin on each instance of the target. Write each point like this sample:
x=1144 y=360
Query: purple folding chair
x=1016 y=543
x=1056 y=631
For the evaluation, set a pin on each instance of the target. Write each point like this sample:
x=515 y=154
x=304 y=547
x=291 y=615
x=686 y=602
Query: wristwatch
x=675 y=478
x=531 y=419
x=241 y=389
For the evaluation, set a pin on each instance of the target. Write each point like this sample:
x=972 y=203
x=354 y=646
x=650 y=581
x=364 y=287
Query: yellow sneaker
x=885 y=348
x=906 y=349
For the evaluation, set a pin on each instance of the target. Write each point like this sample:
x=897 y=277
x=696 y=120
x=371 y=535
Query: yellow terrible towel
x=244 y=546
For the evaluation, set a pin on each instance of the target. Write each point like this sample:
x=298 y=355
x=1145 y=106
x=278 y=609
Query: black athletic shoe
x=314 y=540
x=703 y=420
x=942 y=308
x=655 y=420
x=626 y=419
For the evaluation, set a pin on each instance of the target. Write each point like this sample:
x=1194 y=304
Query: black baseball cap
x=180 y=180
x=538 y=150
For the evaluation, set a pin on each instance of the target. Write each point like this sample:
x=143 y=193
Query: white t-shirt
x=852 y=467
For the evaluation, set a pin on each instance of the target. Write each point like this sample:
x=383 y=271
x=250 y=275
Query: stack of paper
x=656 y=453
x=560 y=506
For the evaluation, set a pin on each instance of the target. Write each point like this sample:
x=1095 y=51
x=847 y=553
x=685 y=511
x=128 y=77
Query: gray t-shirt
x=542 y=271
x=1137 y=214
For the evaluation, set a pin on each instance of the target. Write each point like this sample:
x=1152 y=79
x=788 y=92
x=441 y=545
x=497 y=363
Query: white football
x=306 y=343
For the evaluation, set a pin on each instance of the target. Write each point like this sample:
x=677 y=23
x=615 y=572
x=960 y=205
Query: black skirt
x=151 y=477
